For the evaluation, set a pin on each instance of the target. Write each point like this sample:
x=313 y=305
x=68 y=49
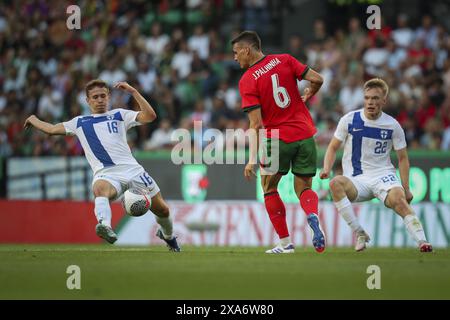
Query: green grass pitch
x=111 y=272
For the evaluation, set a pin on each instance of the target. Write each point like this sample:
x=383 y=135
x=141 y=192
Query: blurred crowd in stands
x=178 y=55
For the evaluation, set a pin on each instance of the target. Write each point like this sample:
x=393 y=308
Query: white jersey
x=368 y=143
x=104 y=137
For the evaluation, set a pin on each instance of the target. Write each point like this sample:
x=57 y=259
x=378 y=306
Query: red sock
x=309 y=201
x=277 y=213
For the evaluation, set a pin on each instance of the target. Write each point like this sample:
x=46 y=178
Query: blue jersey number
x=146 y=179
x=380 y=147
x=112 y=127
x=389 y=177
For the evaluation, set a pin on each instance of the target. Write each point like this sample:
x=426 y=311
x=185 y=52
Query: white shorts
x=123 y=177
x=374 y=186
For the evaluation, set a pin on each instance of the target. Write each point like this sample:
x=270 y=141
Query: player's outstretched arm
x=316 y=81
x=330 y=157
x=48 y=128
x=147 y=113
x=403 y=168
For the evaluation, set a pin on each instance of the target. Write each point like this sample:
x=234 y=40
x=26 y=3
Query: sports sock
x=166 y=226
x=277 y=213
x=414 y=228
x=103 y=211
x=309 y=201
x=285 y=241
x=345 y=209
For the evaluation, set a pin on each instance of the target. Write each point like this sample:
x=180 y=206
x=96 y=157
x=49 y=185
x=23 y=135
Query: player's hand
x=306 y=94
x=125 y=86
x=324 y=174
x=28 y=124
x=249 y=171
x=409 y=196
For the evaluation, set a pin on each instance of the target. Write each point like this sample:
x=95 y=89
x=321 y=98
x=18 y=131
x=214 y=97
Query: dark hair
x=250 y=37
x=96 y=83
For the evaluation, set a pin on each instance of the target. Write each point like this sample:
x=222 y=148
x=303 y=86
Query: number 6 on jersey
x=280 y=94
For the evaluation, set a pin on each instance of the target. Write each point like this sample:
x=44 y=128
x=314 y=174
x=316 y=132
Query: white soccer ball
x=136 y=202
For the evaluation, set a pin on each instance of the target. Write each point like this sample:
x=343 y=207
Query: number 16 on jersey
x=112 y=127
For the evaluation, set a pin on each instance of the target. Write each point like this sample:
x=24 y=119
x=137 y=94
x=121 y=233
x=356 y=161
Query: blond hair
x=377 y=83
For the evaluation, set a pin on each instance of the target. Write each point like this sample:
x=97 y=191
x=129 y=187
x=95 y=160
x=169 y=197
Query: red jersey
x=271 y=84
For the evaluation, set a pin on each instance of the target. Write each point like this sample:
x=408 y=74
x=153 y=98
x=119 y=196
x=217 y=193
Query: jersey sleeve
x=71 y=126
x=129 y=118
x=342 y=129
x=249 y=95
x=299 y=68
x=398 y=137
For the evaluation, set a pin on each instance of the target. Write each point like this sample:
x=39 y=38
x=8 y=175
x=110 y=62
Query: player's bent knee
x=97 y=192
x=400 y=203
x=396 y=197
x=397 y=201
x=100 y=191
x=336 y=184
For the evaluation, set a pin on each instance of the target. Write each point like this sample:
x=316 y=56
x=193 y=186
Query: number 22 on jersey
x=380 y=147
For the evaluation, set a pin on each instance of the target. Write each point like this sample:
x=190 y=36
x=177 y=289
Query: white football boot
x=362 y=238
x=280 y=249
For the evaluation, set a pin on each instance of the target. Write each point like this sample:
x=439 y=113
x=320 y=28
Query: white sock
x=166 y=226
x=103 y=211
x=285 y=241
x=345 y=209
x=414 y=228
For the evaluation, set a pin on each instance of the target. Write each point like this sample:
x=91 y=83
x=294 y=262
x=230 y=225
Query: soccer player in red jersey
x=271 y=98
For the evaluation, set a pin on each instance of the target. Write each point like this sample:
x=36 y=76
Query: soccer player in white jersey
x=368 y=136
x=103 y=138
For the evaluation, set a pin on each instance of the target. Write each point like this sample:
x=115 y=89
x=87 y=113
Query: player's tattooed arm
x=48 y=128
x=147 y=113
x=316 y=82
